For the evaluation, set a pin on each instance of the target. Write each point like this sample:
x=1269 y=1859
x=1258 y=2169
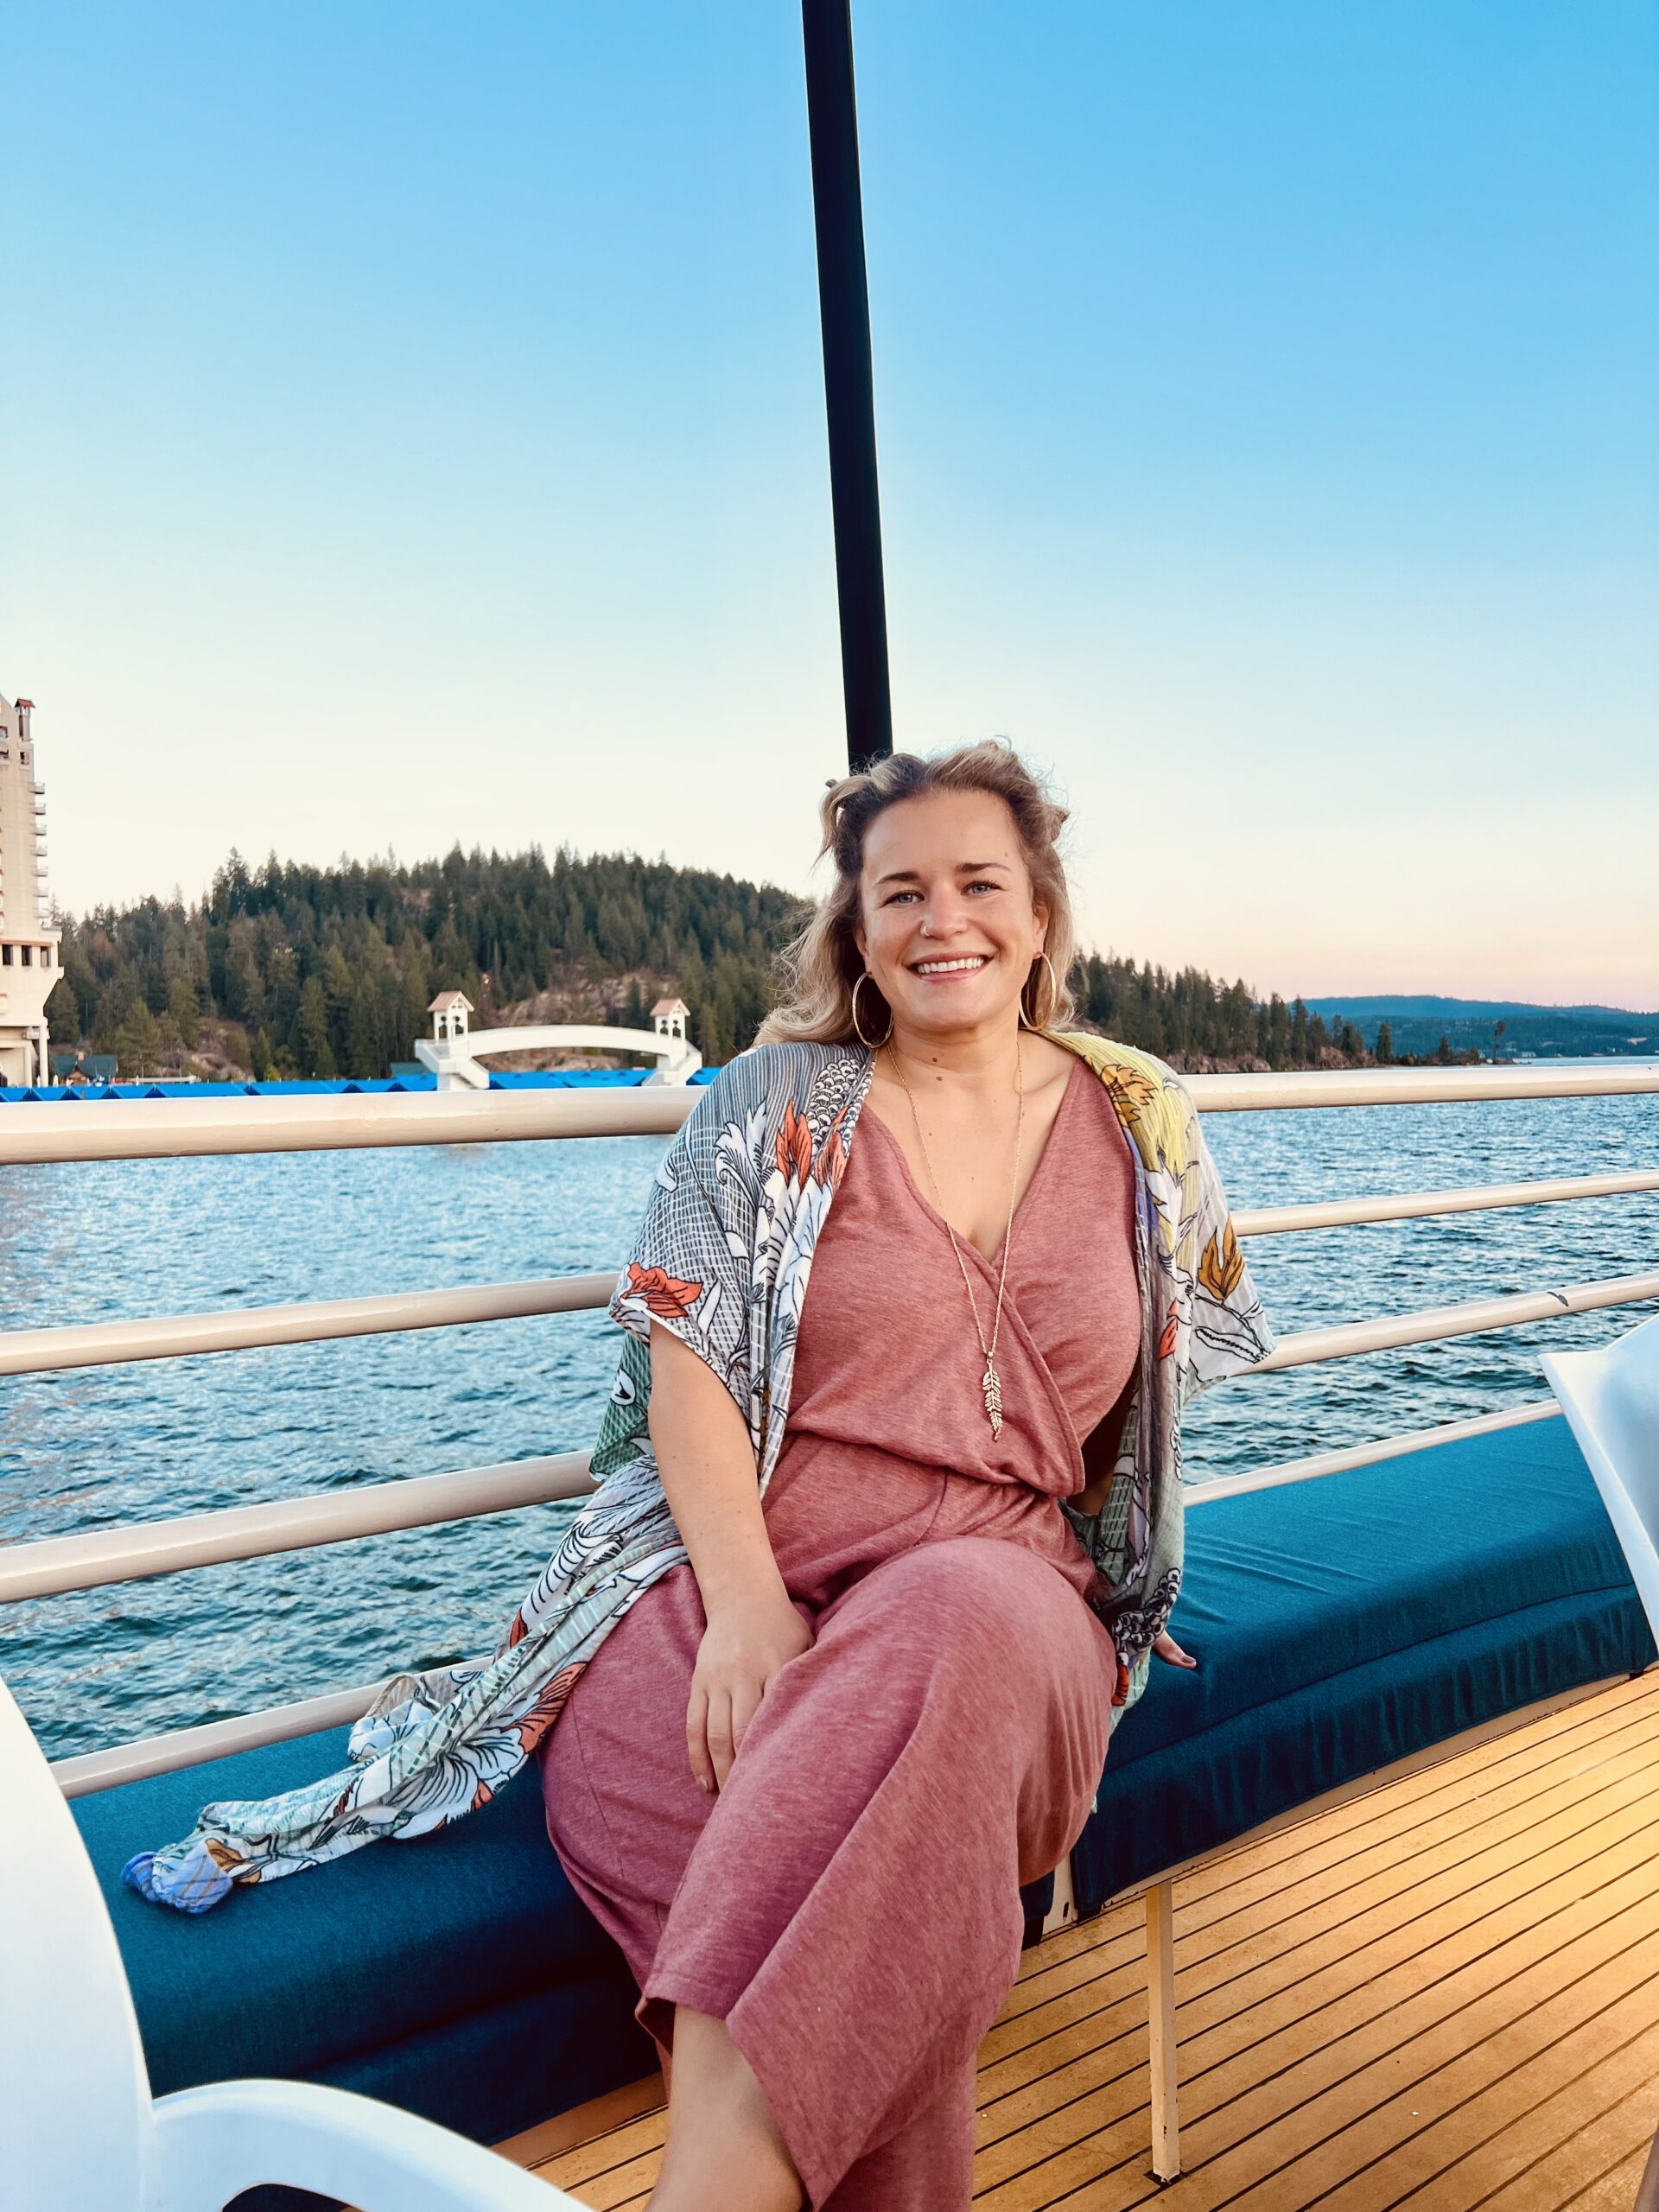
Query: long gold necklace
x=990 y=1383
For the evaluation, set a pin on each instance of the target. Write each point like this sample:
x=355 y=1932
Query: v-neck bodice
x=1075 y=1076
x=887 y=1404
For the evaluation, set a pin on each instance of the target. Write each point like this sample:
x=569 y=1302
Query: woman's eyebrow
x=963 y=867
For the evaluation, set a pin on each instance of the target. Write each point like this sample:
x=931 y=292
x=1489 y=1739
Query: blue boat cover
x=555 y=1079
x=1340 y=1624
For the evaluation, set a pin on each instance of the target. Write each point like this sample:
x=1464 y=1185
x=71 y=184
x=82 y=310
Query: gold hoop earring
x=1053 y=996
x=869 y=1044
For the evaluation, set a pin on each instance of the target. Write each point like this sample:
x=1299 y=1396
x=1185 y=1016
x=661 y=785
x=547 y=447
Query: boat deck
x=1444 y=1995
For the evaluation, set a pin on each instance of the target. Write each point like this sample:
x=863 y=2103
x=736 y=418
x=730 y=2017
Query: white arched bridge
x=457 y=1055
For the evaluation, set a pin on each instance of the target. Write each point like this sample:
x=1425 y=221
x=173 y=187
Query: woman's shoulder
x=775 y=1074
x=1124 y=1063
x=1150 y=1100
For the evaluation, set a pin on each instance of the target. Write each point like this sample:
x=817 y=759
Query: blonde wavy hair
x=818 y=972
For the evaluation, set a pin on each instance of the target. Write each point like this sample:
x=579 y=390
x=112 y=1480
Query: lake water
x=99 y=1446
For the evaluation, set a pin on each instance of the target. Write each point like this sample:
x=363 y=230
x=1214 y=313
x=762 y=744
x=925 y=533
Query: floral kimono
x=722 y=1259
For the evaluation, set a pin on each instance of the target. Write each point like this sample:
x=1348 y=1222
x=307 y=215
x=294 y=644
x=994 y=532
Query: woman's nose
x=942 y=916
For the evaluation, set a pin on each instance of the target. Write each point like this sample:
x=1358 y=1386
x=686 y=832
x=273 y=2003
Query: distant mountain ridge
x=1416 y=1025
x=1433 y=1009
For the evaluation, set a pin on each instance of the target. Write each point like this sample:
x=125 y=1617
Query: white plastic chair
x=79 y=2130
x=1612 y=1398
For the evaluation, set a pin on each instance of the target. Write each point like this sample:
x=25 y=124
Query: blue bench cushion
x=408 y=1971
x=459 y=1976
x=1344 y=1623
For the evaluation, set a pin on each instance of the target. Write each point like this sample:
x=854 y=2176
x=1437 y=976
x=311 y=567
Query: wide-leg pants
x=849 y=1903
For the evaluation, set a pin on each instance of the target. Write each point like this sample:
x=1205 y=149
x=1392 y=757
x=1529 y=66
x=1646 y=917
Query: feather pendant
x=990 y=1383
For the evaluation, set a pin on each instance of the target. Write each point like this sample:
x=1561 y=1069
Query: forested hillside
x=295 y=970
x=291 y=971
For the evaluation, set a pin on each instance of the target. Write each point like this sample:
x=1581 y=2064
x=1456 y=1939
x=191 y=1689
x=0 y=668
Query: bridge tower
x=29 y=935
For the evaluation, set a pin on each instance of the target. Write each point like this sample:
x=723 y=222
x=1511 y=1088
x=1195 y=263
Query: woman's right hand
x=748 y=1642
x=707 y=1462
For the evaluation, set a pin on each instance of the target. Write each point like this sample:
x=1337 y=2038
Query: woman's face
x=947 y=923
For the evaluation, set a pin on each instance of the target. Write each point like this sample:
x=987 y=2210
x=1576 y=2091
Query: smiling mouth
x=968 y=964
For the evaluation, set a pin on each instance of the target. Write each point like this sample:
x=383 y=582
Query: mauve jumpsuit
x=849 y=1903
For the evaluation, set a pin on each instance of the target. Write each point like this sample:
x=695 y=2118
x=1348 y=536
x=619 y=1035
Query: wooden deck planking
x=1555 y=2148
x=1613 y=2191
x=1444 y=1997
x=1235 y=2052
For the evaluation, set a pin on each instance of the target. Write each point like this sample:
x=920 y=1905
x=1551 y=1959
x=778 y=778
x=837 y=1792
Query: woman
x=888 y=1524
x=802 y=1780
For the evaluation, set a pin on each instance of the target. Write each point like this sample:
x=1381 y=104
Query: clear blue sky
x=413 y=432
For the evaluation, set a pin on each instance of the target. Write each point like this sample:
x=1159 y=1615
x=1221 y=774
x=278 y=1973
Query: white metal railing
x=1350 y=1339
x=1419 y=1205
x=95 y=1129
x=1368 y=1455
x=1256 y=1093
x=178 y=1336
x=165 y=1129
x=215 y=1739
x=139 y=1549
x=178 y=1128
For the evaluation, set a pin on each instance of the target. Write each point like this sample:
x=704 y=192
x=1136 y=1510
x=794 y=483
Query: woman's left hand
x=1167 y=1649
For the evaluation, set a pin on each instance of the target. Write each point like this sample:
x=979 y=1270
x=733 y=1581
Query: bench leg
x=1160 y=2028
x=1064 y=1911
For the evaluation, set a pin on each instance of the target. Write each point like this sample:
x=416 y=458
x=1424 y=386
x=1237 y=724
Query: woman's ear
x=1039 y=925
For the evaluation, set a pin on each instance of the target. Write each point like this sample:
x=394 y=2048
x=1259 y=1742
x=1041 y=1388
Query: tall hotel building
x=29 y=937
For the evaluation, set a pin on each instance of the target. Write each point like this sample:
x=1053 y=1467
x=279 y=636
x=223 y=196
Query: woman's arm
x=707 y=1463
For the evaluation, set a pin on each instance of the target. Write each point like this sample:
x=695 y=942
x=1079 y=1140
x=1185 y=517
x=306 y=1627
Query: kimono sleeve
x=690 y=1265
x=1229 y=1330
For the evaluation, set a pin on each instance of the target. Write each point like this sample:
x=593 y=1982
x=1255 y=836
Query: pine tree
x=138 y=1042
x=311 y=1047
x=184 y=1012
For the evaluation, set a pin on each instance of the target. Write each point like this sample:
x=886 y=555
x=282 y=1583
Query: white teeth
x=950 y=967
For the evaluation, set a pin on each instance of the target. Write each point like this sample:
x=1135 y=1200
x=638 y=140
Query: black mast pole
x=849 y=401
